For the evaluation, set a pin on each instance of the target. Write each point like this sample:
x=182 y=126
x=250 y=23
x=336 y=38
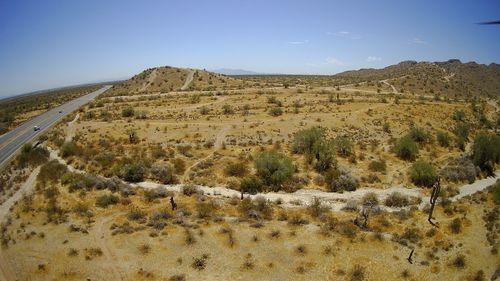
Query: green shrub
x=486 y=151
x=275 y=111
x=462 y=130
x=459 y=115
x=422 y=173
x=339 y=181
x=406 y=148
x=227 y=109
x=396 y=199
x=238 y=169
x=313 y=144
x=204 y=110
x=70 y=148
x=105 y=200
x=496 y=192
x=51 y=172
x=377 y=166
x=443 y=139
x=344 y=146
x=163 y=173
x=132 y=172
x=370 y=200
x=32 y=155
x=304 y=141
x=128 y=111
x=419 y=135
x=273 y=168
x=251 y=184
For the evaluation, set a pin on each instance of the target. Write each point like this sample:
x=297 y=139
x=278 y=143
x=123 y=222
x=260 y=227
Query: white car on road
x=36 y=128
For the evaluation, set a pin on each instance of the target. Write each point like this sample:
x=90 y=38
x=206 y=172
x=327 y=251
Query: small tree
x=422 y=173
x=344 y=146
x=273 y=168
x=406 y=148
x=419 y=135
x=486 y=151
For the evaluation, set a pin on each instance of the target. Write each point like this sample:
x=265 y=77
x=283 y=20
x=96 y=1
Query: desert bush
x=153 y=194
x=347 y=228
x=206 y=209
x=455 y=226
x=136 y=214
x=70 y=148
x=128 y=111
x=259 y=208
x=251 y=184
x=459 y=115
x=459 y=262
x=422 y=173
x=237 y=169
x=51 y=172
x=496 y=192
x=132 y=172
x=396 y=199
x=406 y=148
x=377 y=166
x=340 y=180
x=462 y=130
x=32 y=155
x=304 y=141
x=370 y=200
x=227 y=109
x=200 y=263
x=419 y=135
x=459 y=169
x=189 y=189
x=177 y=277
x=316 y=208
x=273 y=168
x=344 y=146
x=105 y=200
x=443 y=139
x=357 y=273
x=313 y=144
x=486 y=151
x=179 y=165
x=204 y=110
x=275 y=111
x=163 y=173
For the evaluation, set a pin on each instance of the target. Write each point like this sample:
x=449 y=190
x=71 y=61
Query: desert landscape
x=249 y=140
x=261 y=177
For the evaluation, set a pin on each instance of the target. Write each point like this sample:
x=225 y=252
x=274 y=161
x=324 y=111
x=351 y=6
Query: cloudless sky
x=53 y=43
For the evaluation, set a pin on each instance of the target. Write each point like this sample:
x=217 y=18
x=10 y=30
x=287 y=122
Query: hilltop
x=167 y=79
x=449 y=78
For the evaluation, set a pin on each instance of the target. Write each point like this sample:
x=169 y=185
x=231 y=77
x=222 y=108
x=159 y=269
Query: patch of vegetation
x=406 y=148
x=273 y=168
x=106 y=200
x=340 y=180
x=423 y=174
x=396 y=199
x=486 y=151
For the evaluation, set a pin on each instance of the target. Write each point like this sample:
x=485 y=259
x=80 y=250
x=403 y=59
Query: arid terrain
x=183 y=174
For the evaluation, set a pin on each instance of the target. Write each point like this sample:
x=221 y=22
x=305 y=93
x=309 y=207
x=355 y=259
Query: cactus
x=436 y=188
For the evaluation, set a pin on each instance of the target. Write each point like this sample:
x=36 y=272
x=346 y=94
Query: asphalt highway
x=13 y=140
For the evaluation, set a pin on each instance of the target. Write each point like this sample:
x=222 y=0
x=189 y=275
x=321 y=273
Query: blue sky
x=45 y=44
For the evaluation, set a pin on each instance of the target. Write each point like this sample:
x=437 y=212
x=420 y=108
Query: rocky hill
x=450 y=78
x=167 y=79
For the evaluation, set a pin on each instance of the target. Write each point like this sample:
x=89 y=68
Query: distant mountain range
x=231 y=71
